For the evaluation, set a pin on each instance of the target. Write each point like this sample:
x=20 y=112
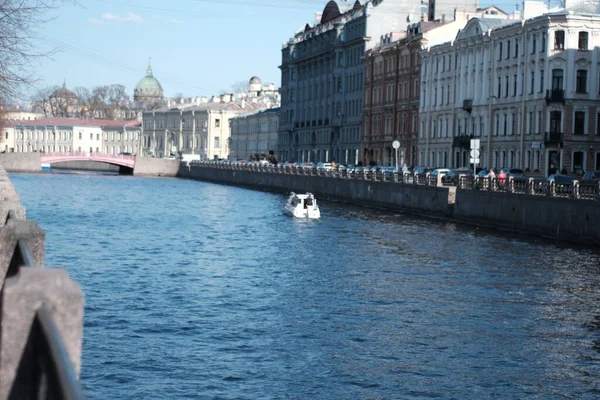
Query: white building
x=254 y=135
x=73 y=134
x=527 y=89
x=201 y=127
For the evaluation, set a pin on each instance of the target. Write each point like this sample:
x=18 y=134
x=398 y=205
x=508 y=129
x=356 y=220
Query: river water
x=202 y=291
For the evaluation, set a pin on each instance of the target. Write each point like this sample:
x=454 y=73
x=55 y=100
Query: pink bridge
x=117 y=159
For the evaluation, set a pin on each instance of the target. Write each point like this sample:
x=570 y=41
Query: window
x=217 y=143
x=557 y=79
x=500 y=52
x=516 y=48
x=559 y=40
x=6 y=135
x=505 y=123
x=91 y=136
x=533 y=44
x=598 y=124
x=79 y=135
x=578 y=162
x=579 y=128
x=542 y=80
x=508 y=49
x=530 y=123
x=532 y=82
x=217 y=123
x=539 y=125
x=581 y=82
x=506 y=85
x=499 y=87
x=543 y=44
x=583 y=41
x=514 y=85
x=555 y=121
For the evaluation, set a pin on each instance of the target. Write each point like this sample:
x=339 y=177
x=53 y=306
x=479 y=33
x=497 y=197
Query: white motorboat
x=302 y=206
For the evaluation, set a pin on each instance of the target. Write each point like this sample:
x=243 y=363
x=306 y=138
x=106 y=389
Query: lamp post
x=396 y=146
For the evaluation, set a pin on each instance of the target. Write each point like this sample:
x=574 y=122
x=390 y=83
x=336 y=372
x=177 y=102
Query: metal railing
x=524 y=186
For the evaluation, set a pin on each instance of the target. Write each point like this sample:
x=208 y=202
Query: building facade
x=76 y=135
x=254 y=136
x=322 y=74
x=392 y=88
x=527 y=89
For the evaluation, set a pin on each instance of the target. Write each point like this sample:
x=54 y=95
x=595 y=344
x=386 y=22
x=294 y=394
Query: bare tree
x=41 y=99
x=239 y=87
x=85 y=105
x=19 y=20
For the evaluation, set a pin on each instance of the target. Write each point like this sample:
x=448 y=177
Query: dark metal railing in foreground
x=45 y=371
x=45 y=368
x=525 y=186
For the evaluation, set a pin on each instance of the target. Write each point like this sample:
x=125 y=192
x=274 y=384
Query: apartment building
x=322 y=75
x=527 y=89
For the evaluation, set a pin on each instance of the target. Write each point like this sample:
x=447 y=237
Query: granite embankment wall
x=41 y=311
x=21 y=162
x=402 y=197
x=146 y=166
x=573 y=220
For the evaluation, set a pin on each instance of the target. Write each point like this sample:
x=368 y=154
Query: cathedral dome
x=148 y=88
x=64 y=93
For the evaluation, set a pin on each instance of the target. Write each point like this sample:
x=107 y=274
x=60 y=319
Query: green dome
x=149 y=83
x=148 y=88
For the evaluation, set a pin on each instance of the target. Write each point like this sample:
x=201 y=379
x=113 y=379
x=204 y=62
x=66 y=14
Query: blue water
x=196 y=290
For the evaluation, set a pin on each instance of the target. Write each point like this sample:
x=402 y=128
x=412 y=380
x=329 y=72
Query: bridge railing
x=86 y=155
x=41 y=316
x=521 y=186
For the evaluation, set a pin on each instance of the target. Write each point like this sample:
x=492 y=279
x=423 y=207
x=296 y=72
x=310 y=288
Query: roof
x=479 y=26
x=583 y=8
x=229 y=106
x=334 y=9
x=268 y=111
x=57 y=121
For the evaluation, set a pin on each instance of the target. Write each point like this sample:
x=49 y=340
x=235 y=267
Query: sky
x=197 y=47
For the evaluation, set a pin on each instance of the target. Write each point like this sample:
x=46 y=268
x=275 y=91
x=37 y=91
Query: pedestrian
x=502 y=177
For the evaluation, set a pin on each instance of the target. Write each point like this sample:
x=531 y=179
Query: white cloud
x=129 y=17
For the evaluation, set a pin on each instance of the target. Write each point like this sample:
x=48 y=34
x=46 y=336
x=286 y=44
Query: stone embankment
x=41 y=312
x=536 y=208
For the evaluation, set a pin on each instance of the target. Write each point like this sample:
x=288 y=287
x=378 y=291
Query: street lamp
x=396 y=146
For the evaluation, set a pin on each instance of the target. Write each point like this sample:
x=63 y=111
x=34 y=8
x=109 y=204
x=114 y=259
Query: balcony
x=462 y=142
x=468 y=105
x=555 y=96
x=553 y=139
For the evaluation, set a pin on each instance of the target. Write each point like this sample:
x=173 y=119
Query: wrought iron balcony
x=553 y=139
x=462 y=142
x=555 y=96
x=468 y=105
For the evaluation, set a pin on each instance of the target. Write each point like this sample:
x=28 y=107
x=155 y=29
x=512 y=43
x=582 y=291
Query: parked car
x=439 y=172
x=560 y=179
x=513 y=172
x=453 y=176
x=421 y=170
x=591 y=178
